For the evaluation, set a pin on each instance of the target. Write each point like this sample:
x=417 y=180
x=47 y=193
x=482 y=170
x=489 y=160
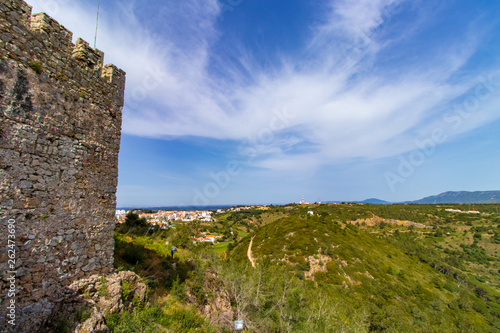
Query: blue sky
x=263 y=101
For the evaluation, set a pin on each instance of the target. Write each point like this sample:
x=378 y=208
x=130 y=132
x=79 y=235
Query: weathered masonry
x=60 y=123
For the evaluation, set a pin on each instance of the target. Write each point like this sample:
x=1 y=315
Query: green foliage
x=62 y=325
x=304 y=265
x=132 y=220
x=125 y=290
x=230 y=247
x=158 y=318
x=476 y=254
x=62 y=77
x=496 y=238
x=103 y=289
x=196 y=282
x=181 y=239
x=36 y=66
x=178 y=290
x=83 y=313
x=396 y=279
x=376 y=269
x=133 y=254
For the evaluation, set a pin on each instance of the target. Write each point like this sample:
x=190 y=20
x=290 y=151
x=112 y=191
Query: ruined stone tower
x=60 y=123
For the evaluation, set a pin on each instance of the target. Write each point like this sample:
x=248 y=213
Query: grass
x=243 y=233
x=103 y=289
x=221 y=247
x=168 y=308
x=151 y=261
x=161 y=317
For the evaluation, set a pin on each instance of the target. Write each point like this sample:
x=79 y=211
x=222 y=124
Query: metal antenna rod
x=97 y=22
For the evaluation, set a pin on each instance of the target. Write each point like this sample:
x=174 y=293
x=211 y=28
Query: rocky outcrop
x=316 y=265
x=375 y=221
x=89 y=300
x=216 y=304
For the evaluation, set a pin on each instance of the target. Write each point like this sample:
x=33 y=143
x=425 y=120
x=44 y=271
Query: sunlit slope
x=370 y=272
x=350 y=255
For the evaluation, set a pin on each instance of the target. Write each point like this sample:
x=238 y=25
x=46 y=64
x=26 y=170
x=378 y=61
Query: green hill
x=462 y=197
x=320 y=268
x=386 y=274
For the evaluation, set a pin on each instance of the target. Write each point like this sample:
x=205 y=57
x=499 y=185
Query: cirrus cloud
x=345 y=100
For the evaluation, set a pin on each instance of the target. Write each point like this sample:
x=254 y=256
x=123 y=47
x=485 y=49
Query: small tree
x=133 y=220
x=230 y=247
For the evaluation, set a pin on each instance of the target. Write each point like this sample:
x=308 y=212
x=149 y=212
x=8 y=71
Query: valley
x=325 y=267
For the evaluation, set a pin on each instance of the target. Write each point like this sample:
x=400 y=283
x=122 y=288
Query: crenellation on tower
x=116 y=78
x=51 y=31
x=92 y=58
x=40 y=39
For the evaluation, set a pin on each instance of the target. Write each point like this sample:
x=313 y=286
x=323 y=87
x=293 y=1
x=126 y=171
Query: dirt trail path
x=249 y=253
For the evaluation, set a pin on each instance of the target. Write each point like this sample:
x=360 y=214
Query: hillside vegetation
x=321 y=268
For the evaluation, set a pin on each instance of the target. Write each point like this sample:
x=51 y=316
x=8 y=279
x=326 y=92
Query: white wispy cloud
x=357 y=19
x=338 y=103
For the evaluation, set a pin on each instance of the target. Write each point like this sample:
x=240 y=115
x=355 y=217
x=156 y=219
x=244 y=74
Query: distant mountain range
x=462 y=197
x=375 y=201
x=451 y=197
x=372 y=201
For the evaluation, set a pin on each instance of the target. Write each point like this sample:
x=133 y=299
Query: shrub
x=393 y=270
x=36 y=66
x=437 y=282
x=62 y=77
x=335 y=278
x=103 y=289
x=178 y=290
x=450 y=286
x=496 y=238
x=83 y=313
x=230 y=247
x=62 y=325
x=133 y=220
x=125 y=290
x=133 y=254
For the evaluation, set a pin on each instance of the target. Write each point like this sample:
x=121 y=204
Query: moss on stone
x=36 y=66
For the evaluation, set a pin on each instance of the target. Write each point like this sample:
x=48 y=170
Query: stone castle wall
x=60 y=123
